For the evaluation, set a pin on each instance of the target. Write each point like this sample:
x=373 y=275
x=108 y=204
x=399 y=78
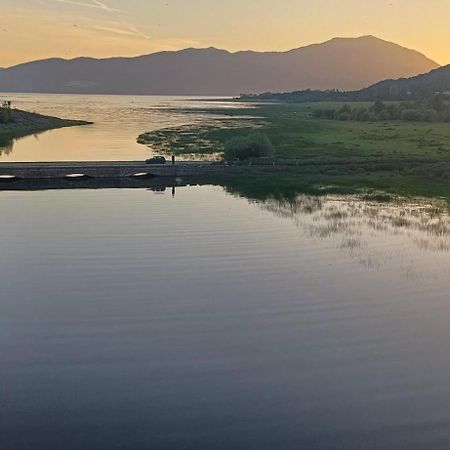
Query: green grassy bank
x=311 y=153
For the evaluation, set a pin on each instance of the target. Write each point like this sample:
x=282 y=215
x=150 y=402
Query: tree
x=344 y=109
x=411 y=115
x=384 y=115
x=255 y=145
x=431 y=115
x=344 y=116
x=378 y=107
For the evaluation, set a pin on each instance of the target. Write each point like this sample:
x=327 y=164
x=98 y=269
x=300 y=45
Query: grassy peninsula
x=15 y=123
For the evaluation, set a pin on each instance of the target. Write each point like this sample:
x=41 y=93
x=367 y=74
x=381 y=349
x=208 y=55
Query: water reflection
x=131 y=320
x=378 y=235
x=6 y=146
x=118 y=121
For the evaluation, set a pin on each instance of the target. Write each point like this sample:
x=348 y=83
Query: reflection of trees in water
x=291 y=209
x=373 y=233
x=6 y=146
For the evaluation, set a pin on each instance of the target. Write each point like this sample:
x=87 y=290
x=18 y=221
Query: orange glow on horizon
x=69 y=28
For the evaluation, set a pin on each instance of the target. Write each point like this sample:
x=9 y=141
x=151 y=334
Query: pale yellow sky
x=35 y=29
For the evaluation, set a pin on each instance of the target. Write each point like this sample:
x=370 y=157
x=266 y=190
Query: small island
x=15 y=123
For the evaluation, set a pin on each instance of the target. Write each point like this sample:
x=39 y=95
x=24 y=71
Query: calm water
x=118 y=121
x=134 y=320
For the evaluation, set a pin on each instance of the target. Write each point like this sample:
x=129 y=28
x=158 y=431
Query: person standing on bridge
x=173 y=159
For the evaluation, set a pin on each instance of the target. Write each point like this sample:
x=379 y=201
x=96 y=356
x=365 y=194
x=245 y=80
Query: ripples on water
x=118 y=121
x=134 y=320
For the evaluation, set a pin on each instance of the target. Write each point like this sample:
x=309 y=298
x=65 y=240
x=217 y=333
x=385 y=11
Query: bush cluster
x=433 y=109
x=255 y=145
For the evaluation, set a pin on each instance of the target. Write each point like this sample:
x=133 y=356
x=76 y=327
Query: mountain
x=436 y=81
x=419 y=87
x=341 y=63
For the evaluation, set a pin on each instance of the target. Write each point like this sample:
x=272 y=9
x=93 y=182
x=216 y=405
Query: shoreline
x=251 y=181
x=23 y=123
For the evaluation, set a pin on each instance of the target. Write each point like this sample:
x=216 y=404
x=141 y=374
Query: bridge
x=102 y=170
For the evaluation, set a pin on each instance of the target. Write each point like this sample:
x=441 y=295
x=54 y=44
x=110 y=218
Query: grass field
x=403 y=157
x=297 y=135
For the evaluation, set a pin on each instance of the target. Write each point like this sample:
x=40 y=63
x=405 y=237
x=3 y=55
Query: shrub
x=384 y=115
x=318 y=113
x=365 y=116
x=344 y=109
x=329 y=114
x=255 y=145
x=431 y=115
x=344 y=116
x=378 y=107
x=411 y=115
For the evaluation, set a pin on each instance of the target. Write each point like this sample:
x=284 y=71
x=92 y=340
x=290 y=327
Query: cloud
x=79 y=36
x=123 y=31
x=96 y=4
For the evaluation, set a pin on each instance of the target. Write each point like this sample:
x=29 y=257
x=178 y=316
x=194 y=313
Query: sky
x=37 y=29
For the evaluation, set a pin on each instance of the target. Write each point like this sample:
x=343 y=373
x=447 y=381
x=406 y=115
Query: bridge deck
x=102 y=169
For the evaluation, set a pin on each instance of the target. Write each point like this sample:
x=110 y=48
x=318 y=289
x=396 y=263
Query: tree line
x=432 y=109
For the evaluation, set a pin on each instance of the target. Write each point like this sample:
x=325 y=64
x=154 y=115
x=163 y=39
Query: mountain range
x=341 y=63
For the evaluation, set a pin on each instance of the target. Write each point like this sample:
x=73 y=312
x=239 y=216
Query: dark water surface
x=134 y=320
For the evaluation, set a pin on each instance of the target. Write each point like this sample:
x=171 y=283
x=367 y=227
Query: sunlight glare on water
x=118 y=121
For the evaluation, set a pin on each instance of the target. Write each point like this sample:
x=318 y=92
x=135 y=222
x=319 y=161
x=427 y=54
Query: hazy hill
x=341 y=63
x=436 y=81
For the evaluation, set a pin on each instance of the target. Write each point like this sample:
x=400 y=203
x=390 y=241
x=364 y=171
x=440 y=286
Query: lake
x=118 y=121
x=138 y=319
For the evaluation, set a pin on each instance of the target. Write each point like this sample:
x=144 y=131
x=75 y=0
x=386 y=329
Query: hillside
x=436 y=81
x=414 y=88
x=341 y=63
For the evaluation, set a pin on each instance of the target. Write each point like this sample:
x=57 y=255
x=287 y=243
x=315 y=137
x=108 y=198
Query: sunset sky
x=35 y=29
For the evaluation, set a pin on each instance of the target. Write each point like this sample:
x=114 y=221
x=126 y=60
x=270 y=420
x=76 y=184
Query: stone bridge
x=103 y=170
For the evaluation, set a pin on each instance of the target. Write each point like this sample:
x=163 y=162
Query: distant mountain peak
x=343 y=63
x=364 y=38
